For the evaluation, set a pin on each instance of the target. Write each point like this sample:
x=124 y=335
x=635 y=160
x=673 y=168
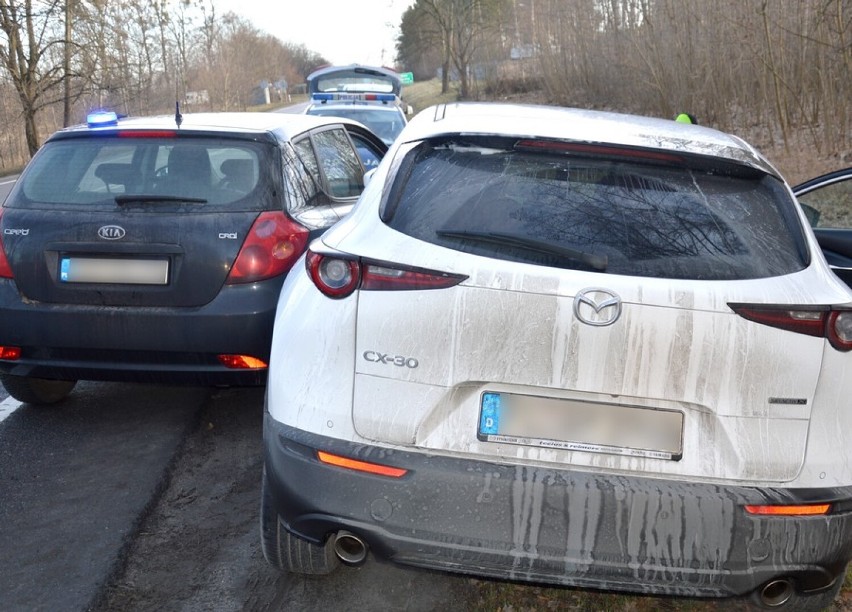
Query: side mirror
x=409 y=110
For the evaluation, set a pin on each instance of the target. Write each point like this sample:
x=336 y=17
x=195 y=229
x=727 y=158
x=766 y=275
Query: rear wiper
x=593 y=260
x=131 y=199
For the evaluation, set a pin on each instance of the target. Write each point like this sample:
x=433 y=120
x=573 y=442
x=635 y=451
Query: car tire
x=36 y=391
x=286 y=552
x=802 y=602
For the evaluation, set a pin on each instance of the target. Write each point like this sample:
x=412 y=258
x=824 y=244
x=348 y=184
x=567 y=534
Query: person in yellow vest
x=686 y=118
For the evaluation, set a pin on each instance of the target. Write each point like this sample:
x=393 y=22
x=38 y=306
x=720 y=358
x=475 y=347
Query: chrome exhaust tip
x=349 y=548
x=776 y=593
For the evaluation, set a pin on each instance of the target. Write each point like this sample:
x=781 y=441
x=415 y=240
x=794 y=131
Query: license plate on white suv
x=581 y=426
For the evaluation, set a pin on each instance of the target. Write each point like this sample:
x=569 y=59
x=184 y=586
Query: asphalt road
x=75 y=480
x=139 y=497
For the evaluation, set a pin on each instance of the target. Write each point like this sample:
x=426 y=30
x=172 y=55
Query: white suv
x=568 y=347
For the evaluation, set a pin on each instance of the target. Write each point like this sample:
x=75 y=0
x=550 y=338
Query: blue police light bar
x=101 y=118
x=380 y=97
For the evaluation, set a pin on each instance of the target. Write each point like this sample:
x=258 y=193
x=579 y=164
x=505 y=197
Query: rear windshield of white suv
x=611 y=214
x=109 y=170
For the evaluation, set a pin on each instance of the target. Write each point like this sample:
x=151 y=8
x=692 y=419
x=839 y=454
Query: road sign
x=406 y=78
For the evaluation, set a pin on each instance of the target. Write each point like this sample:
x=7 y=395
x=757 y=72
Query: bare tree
x=29 y=39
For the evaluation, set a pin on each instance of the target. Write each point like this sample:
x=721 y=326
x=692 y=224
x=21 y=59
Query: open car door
x=827 y=202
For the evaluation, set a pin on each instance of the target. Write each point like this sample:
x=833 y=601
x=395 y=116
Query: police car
x=369 y=95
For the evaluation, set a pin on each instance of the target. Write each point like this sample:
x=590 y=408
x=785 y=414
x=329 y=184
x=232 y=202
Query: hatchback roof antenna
x=178 y=116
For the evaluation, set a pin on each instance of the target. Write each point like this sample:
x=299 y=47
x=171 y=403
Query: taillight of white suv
x=835 y=324
x=338 y=277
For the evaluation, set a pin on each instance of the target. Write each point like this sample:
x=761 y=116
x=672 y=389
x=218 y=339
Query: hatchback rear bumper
x=557 y=526
x=141 y=344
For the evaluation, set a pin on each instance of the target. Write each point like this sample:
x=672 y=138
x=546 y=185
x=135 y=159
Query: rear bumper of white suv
x=557 y=526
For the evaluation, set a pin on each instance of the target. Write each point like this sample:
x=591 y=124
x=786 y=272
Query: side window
x=340 y=163
x=369 y=156
x=829 y=206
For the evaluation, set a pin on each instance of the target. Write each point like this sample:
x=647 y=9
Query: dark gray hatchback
x=153 y=250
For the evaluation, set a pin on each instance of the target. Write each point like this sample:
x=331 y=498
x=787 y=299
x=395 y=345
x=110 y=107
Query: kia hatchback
x=154 y=249
x=569 y=347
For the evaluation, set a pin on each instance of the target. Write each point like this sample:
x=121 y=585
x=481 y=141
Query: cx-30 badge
x=111 y=232
x=597 y=307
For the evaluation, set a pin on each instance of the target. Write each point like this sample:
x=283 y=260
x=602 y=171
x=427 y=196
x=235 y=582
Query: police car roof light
x=380 y=97
x=101 y=118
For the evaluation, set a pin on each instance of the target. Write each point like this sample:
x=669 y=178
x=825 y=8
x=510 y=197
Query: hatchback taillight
x=835 y=324
x=5 y=268
x=272 y=246
x=338 y=277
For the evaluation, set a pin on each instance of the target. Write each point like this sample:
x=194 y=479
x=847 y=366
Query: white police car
x=365 y=94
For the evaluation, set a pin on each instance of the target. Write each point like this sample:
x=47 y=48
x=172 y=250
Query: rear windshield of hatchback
x=617 y=215
x=109 y=170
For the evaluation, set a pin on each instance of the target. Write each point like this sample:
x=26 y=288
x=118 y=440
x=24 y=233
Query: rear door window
x=617 y=216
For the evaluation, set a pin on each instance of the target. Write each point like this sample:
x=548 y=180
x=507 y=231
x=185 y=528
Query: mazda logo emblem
x=597 y=307
x=111 y=232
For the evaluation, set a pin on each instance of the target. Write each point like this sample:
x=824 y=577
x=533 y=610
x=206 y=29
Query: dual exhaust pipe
x=350 y=548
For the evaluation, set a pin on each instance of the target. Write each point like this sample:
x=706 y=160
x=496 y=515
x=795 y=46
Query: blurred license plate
x=581 y=426
x=104 y=270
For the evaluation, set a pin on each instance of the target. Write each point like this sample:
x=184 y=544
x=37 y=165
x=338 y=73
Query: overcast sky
x=343 y=31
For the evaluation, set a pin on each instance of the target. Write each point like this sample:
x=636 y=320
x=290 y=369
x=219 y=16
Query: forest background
x=776 y=72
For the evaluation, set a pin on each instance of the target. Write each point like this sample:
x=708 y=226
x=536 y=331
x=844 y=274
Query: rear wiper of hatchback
x=594 y=261
x=131 y=199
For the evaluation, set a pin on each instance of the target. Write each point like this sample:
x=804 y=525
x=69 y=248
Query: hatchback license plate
x=106 y=270
x=581 y=426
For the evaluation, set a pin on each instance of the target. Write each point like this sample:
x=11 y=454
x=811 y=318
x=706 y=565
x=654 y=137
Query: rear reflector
x=10 y=353
x=803 y=510
x=361 y=466
x=242 y=362
x=827 y=322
